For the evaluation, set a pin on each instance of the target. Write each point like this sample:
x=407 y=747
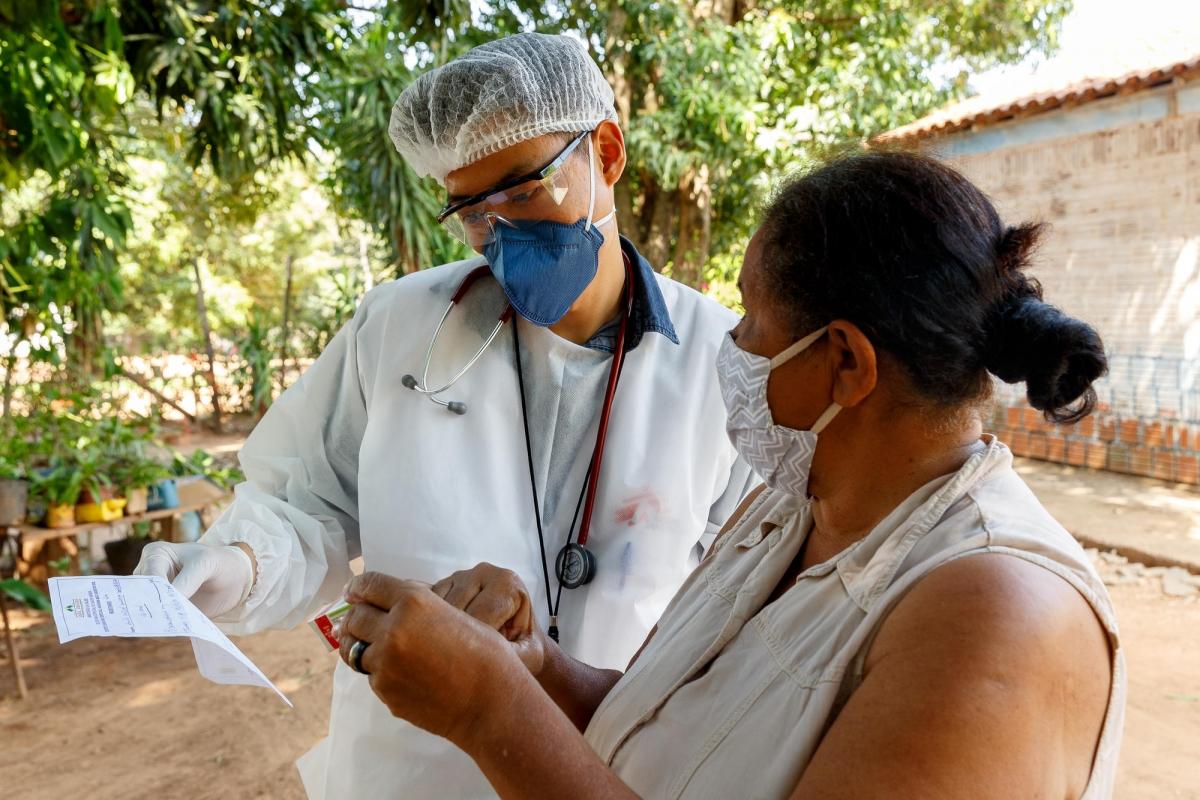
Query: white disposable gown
x=348 y=461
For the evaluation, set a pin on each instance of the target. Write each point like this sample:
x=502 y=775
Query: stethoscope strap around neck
x=609 y=395
x=587 y=495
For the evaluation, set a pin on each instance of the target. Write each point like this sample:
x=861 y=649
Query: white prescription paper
x=148 y=606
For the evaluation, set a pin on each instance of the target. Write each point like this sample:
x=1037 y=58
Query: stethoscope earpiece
x=453 y=406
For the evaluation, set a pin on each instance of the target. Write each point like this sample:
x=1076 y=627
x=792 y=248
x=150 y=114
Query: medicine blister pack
x=326 y=623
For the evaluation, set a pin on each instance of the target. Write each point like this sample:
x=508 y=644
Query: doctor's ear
x=854 y=363
x=609 y=144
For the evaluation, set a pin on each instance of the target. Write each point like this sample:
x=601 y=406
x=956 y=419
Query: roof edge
x=946 y=121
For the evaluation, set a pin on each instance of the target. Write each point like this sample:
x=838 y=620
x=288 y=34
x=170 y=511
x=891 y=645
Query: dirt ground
x=128 y=719
x=132 y=718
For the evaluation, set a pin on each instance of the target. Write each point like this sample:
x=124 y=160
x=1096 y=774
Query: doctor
x=549 y=406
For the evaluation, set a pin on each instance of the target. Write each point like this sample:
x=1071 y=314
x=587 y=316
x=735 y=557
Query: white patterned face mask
x=781 y=456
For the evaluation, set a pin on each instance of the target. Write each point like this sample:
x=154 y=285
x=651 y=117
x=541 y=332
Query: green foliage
x=137 y=473
x=205 y=464
x=141 y=140
x=772 y=85
x=245 y=70
x=59 y=485
x=255 y=349
x=23 y=593
x=371 y=180
x=15 y=449
x=241 y=73
x=74 y=441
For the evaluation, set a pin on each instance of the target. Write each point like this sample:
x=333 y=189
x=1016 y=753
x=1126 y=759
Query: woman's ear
x=854 y=364
x=610 y=151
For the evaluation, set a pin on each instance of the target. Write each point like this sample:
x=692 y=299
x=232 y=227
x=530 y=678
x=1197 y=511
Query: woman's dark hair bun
x=1057 y=356
x=918 y=258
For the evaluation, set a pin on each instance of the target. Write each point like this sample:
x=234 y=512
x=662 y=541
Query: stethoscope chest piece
x=575 y=566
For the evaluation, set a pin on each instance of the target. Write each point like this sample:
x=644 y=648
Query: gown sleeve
x=298 y=508
x=741 y=480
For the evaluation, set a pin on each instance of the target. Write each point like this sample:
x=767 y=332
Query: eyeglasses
x=472 y=219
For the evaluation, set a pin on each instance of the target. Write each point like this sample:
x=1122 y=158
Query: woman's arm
x=990 y=679
x=542 y=754
x=577 y=688
x=456 y=677
x=496 y=597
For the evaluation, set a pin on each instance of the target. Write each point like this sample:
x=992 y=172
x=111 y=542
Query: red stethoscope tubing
x=606 y=410
x=609 y=393
x=469 y=281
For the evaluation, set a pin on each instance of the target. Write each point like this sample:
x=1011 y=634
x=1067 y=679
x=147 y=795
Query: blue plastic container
x=163 y=495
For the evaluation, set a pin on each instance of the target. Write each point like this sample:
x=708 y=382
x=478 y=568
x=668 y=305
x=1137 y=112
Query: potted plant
x=97 y=501
x=14 y=488
x=135 y=475
x=60 y=486
x=163 y=494
x=124 y=554
x=14 y=492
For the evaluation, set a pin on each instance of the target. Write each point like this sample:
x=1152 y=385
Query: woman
x=893 y=614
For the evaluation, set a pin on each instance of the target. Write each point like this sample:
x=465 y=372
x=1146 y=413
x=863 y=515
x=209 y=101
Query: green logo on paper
x=71 y=609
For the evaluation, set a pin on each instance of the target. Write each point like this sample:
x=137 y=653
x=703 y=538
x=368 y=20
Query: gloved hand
x=216 y=578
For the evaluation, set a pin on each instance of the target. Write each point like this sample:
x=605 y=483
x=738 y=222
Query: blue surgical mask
x=544 y=266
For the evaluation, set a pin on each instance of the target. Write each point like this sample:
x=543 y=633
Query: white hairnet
x=496 y=95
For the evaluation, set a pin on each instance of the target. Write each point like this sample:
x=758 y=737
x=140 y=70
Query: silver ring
x=356 y=653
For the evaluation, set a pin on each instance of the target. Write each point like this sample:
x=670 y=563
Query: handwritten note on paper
x=148 y=606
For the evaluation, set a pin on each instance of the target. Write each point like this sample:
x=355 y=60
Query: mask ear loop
x=826 y=418
x=592 y=191
x=798 y=348
x=591 y=182
x=795 y=350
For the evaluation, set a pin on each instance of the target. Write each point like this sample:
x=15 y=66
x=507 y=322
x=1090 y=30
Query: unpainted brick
x=1076 y=452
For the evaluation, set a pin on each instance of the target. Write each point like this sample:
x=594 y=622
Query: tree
x=371 y=180
x=229 y=100
x=717 y=95
x=240 y=72
x=721 y=94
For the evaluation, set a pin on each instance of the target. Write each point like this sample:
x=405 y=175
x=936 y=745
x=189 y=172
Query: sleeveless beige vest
x=725 y=677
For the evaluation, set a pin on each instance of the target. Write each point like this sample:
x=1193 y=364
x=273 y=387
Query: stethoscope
x=575 y=565
x=422 y=387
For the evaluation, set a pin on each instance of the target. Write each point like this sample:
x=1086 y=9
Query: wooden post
x=202 y=311
x=13 y=654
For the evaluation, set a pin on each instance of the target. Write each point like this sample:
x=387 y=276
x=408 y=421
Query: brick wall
x=1158 y=448
x=1123 y=253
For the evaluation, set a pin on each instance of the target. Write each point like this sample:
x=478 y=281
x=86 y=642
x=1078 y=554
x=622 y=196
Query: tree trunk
x=10 y=362
x=162 y=398
x=83 y=344
x=617 y=59
x=658 y=215
x=206 y=331
x=287 y=324
x=672 y=222
x=695 y=226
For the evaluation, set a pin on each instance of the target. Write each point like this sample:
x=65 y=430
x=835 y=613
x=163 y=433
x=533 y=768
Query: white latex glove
x=216 y=579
